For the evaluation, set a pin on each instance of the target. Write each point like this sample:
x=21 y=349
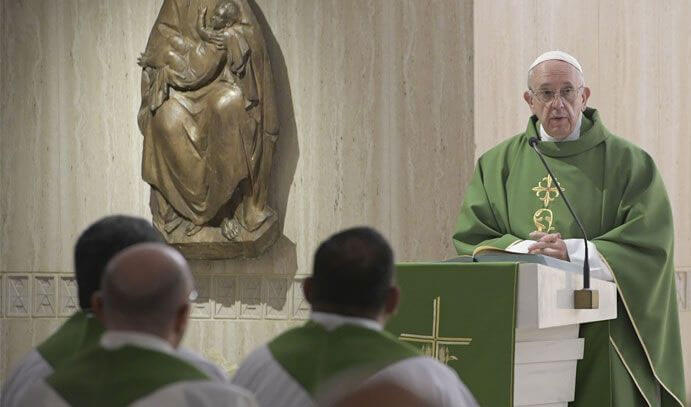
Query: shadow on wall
x=263 y=287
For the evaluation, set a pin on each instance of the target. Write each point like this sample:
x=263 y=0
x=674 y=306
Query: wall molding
x=221 y=296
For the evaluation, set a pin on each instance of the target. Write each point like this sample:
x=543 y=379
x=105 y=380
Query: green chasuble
x=617 y=191
x=81 y=331
x=119 y=377
x=312 y=354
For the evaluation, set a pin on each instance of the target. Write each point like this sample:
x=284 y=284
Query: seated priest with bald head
x=343 y=347
x=97 y=244
x=614 y=186
x=144 y=305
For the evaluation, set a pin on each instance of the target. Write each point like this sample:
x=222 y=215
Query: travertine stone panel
x=375 y=101
x=635 y=56
x=70 y=145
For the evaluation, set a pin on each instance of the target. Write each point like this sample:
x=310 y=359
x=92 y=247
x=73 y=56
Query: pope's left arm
x=640 y=246
x=639 y=250
x=479 y=223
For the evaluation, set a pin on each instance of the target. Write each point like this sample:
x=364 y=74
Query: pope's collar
x=332 y=321
x=573 y=136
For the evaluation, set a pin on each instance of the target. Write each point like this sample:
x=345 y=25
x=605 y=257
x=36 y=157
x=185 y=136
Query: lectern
x=509 y=329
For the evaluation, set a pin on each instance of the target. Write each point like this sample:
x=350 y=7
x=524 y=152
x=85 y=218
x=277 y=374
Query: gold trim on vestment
x=635 y=328
x=616 y=349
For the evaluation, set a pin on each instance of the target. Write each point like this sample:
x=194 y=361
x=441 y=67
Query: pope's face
x=559 y=116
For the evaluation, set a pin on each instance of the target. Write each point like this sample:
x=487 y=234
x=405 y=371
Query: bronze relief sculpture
x=210 y=124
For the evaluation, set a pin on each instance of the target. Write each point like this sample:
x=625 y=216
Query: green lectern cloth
x=617 y=191
x=464 y=314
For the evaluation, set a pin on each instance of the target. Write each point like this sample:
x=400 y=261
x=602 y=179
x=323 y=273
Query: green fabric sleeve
x=478 y=223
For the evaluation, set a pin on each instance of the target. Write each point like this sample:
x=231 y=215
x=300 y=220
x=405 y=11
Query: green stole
x=119 y=377
x=312 y=355
x=80 y=331
x=617 y=191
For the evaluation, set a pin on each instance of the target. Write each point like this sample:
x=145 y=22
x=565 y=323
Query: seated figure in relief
x=208 y=117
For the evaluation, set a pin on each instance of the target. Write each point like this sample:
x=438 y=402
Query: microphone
x=585 y=298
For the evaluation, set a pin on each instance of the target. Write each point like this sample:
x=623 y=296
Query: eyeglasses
x=547 y=96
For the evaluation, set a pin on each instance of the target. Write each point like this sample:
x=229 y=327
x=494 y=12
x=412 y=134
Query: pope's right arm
x=480 y=223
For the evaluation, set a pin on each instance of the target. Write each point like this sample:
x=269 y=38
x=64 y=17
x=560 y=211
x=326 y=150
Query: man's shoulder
x=429 y=378
x=203 y=364
x=256 y=362
x=38 y=393
x=198 y=394
x=426 y=364
x=30 y=369
x=626 y=153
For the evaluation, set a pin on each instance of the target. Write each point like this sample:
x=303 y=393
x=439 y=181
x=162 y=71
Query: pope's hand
x=549 y=244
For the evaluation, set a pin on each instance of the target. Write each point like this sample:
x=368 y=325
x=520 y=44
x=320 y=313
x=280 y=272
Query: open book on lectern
x=487 y=254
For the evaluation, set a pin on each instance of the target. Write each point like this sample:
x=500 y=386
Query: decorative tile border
x=68 y=296
x=220 y=296
x=201 y=307
x=251 y=302
x=226 y=298
x=249 y=297
x=18 y=295
x=45 y=296
x=301 y=308
x=276 y=298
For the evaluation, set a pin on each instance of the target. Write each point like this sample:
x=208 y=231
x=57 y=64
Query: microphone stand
x=584 y=298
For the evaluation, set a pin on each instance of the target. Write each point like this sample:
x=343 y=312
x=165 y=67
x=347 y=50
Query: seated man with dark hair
x=95 y=247
x=343 y=347
x=144 y=304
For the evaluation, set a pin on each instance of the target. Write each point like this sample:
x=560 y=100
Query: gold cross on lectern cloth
x=434 y=345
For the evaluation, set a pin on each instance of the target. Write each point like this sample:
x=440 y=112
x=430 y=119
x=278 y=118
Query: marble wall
x=376 y=112
x=635 y=55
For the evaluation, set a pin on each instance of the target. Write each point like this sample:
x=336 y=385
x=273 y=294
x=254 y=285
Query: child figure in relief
x=188 y=64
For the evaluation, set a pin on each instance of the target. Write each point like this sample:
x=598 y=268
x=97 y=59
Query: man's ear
x=585 y=95
x=181 y=319
x=528 y=97
x=307 y=289
x=393 y=298
x=97 y=306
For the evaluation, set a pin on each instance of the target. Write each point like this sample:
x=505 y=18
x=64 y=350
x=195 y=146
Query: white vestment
x=33 y=368
x=214 y=392
x=425 y=377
